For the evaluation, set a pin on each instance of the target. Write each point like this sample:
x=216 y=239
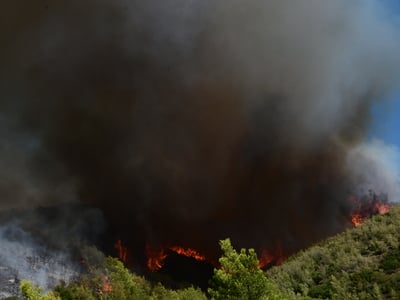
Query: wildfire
x=106 y=286
x=357 y=219
x=156 y=258
x=267 y=257
x=382 y=208
x=122 y=251
x=367 y=206
x=189 y=252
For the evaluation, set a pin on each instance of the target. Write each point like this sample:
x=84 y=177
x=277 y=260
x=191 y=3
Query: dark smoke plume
x=190 y=121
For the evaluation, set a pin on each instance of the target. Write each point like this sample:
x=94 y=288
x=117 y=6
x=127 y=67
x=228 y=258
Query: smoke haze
x=189 y=121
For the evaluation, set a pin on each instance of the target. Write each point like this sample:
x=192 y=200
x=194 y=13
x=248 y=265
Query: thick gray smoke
x=32 y=261
x=45 y=245
x=189 y=121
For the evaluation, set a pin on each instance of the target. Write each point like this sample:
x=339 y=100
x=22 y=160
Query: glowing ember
x=122 y=251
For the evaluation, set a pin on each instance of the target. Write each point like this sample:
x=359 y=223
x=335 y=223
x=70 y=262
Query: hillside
x=360 y=263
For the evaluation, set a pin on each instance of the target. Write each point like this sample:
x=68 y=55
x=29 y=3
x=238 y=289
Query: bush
x=391 y=261
x=31 y=292
x=240 y=277
x=321 y=291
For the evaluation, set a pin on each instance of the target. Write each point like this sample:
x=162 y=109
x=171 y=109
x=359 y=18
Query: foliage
x=360 y=263
x=112 y=281
x=74 y=291
x=31 y=292
x=391 y=261
x=123 y=284
x=239 y=276
x=161 y=293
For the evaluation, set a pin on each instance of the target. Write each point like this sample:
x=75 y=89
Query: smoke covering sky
x=248 y=119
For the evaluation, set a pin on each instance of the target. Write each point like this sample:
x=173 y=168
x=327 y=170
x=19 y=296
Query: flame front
x=275 y=257
x=357 y=219
x=265 y=258
x=188 y=252
x=122 y=251
x=367 y=206
x=382 y=208
x=106 y=286
x=156 y=258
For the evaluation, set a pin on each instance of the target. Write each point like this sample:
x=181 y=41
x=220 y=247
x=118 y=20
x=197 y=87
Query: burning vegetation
x=271 y=258
x=183 y=122
x=363 y=208
x=105 y=287
x=122 y=251
x=156 y=258
x=367 y=206
x=238 y=276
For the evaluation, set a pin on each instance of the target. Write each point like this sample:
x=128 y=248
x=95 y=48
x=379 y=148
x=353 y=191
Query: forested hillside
x=360 y=263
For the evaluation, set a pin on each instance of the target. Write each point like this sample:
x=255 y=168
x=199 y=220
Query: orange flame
x=382 y=208
x=189 y=252
x=106 y=286
x=155 y=259
x=357 y=219
x=366 y=207
x=122 y=251
x=275 y=257
x=265 y=259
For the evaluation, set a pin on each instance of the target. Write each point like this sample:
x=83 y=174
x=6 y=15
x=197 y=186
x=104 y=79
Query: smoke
x=32 y=261
x=45 y=245
x=375 y=166
x=189 y=121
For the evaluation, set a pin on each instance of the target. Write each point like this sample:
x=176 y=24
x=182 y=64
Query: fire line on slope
x=367 y=206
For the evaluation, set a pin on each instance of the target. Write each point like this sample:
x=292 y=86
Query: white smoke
x=32 y=260
x=375 y=166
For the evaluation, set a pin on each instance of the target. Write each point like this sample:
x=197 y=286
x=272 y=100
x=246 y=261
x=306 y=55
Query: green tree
x=32 y=292
x=74 y=291
x=240 y=277
x=159 y=292
x=123 y=284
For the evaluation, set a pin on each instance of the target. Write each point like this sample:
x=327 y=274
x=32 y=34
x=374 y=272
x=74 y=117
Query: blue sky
x=385 y=115
x=394 y=5
x=385 y=123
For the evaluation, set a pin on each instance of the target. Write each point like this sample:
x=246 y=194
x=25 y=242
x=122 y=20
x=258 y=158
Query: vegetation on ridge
x=361 y=263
